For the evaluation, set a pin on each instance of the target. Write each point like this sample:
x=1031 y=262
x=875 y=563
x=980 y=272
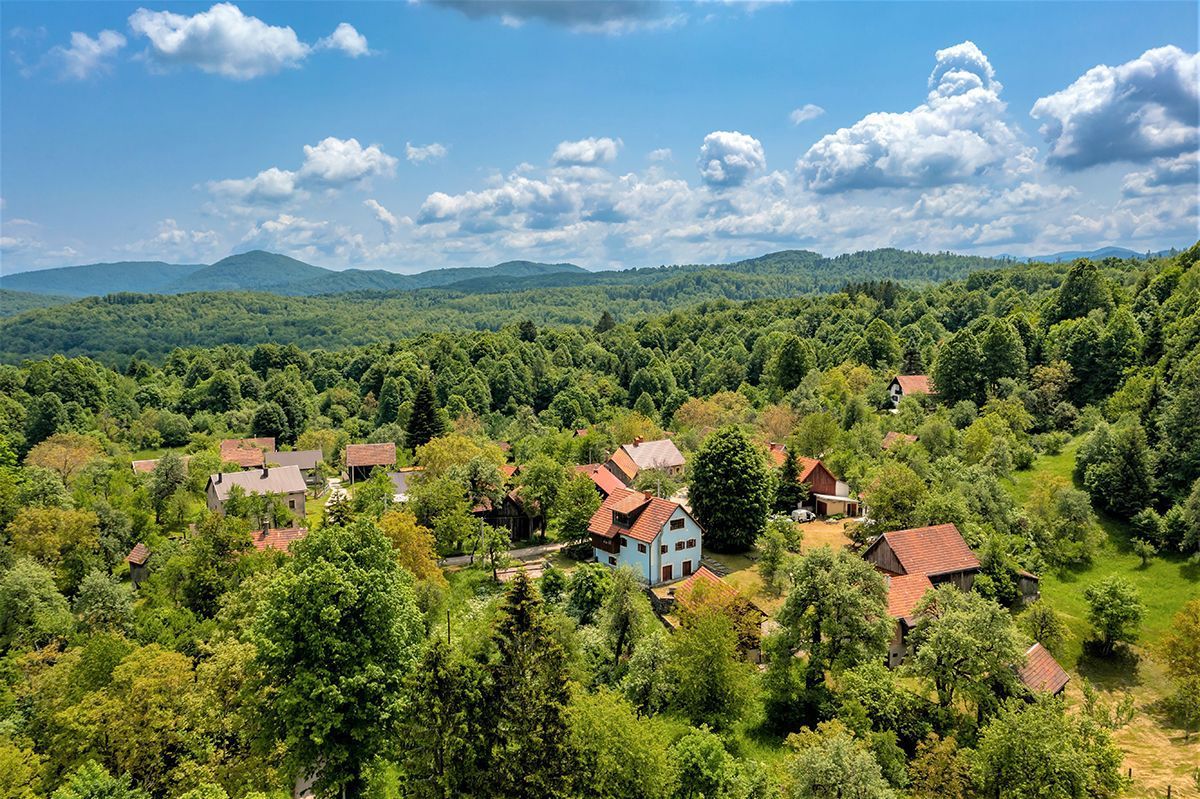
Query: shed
x=1041 y=673
x=137 y=559
x=361 y=459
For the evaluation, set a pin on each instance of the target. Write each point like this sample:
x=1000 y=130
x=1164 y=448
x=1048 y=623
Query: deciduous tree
x=729 y=491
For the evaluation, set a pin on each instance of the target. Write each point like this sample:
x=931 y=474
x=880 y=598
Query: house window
x=292 y=504
x=679 y=546
x=691 y=543
x=641 y=547
x=677 y=524
x=662 y=550
x=612 y=561
x=624 y=541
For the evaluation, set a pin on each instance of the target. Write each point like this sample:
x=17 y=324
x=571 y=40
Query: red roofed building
x=894 y=439
x=246 y=452
x=606 y=482
x=908 y=386
x=138 y=568
x=361 y=459
x=904 y=592
x=277 y=539
x=148 y=466
x=1041 y=672
x=827 y=495
x=631 y=459
x=657 y=538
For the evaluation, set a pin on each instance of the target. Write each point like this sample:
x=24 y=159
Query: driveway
x=525 y=553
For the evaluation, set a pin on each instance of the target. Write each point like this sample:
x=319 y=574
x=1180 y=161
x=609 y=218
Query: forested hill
x=114 y=327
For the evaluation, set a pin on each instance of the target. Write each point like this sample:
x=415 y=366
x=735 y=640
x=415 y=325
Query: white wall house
x=657 y=538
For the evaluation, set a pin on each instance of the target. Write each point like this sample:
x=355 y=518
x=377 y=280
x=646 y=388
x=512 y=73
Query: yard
x=1155 y=751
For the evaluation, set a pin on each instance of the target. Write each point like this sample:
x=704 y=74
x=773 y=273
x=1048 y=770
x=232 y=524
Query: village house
x=908 y=386
x=1041 y=673
x=283 y=481
x=149 y=465
x=246 y=452
x=308 y=461
x=704 y=589
x=631 y=459
x=605 y=481
x=361 y=459
x=508 y=514
x=918 y=560
x=278 y=539
x=827 y=495
x=657 y=538
x=137 y=560
x=893 y=439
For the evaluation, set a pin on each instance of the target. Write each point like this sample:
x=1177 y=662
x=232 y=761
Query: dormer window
x=621 y=519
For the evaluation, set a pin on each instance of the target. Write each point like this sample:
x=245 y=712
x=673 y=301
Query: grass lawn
x=1154 y=749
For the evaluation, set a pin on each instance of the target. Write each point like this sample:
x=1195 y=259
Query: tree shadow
x=1109 y=671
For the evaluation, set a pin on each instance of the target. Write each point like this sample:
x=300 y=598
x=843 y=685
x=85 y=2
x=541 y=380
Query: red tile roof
x=702 y=576
x=371 y=454
x=278 y=539
x=508 y=470
x=893 y=438
x=622 y=461
x=648 y=522
x=246 y=452
x=1041 y=672
x=904 y=592
x=138 y=555
x=807 y=467
x=778 y=453
x=931 y=551
x=605 y=480
x=147 y=466
x=914 y=384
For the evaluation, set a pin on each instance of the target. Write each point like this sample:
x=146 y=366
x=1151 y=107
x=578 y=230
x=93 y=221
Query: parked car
x=803 y=515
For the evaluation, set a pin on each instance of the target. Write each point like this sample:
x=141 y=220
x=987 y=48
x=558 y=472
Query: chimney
x=637 y=440
x=648 y=495
x=266 y=527
x=218 y=477
x=264 y=473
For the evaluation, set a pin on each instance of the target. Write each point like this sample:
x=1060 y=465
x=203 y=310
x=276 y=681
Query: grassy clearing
x=1154 y=750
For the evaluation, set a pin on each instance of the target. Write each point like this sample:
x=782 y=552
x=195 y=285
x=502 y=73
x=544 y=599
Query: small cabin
x=362 y=459
x=137 y=559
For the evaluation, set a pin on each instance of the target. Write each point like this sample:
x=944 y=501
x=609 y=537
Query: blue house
x=657 y=538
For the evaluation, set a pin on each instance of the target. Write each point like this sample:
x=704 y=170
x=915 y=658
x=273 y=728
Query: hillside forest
x=383 y=655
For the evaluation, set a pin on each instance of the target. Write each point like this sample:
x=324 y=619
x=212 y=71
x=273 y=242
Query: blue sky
x=418 y=135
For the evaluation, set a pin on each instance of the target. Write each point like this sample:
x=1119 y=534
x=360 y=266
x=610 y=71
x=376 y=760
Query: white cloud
x=270 y=186
x=730 y=158
x=1145 y=108
x=1165 y=175
x=336 y=162
x=173 y=242
x=347 y=39
x=86 y=57
x=386 y=218
x=586 y=152
x=959 y=132
x=805 y=113
x=312 y=240
x=224 y=41
x=420 y=154
x=661 y=154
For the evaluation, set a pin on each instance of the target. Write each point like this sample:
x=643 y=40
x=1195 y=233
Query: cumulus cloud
x=661 y=154
x=959 y=132
x=1145 y=108
x=1164 y=175
x=806 y=113
x=315 y=240
x=386 y=218
x=337 y=162
x=420 y=154
x=177 y=243
x=586 y=152
x=590 y=16
x=270 y=186
x=346 y=39
x=85 y=56
x=224 y=41
x=729 y=158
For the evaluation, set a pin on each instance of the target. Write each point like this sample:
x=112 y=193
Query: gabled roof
x=138 y=555
x=624 y=463
x=702 y=577
x=808 y=466
x=278 y=539
x=939 y=549
x=605 y=480
x=661 y=454
x=147 y=466
x=893 y=438
x=246 y=452
x=649 y=515
x=509 y=470
x=904 y=592
x=1041 y=672
x=371 y=454
x=279 y=480
x=914 y=384
x=304 y=458
x=778 y=453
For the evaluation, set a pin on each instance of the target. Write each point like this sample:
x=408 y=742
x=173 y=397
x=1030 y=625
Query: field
x=1155 y=751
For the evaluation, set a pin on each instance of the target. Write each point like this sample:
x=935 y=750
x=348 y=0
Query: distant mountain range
x=1071 y=255
x=253 y=271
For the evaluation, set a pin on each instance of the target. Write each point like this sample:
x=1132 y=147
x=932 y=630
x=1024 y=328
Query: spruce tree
x=790 y=492
x=425 y=423
x=529 y=694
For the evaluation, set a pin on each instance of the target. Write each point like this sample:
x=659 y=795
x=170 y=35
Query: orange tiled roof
x=605 y=480
x=622 y=461
x=778 y=453
x=371 y=454
x=702 y=576
x=1041 y=672
x=939 y=549
x=138 y=555
x=914 y=384
x=904 y=592
x=807 y=467
x=278 y=539
x=246 y=452
x=651 y=514
x=893 y=438
x=147 y=466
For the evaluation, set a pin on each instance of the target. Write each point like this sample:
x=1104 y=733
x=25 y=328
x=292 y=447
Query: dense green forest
x=1063 y=440
x=114 y=327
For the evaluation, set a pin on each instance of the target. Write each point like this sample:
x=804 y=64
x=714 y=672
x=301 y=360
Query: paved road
x=525 y=553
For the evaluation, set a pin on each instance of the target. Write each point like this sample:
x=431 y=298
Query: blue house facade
x=655 y=537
